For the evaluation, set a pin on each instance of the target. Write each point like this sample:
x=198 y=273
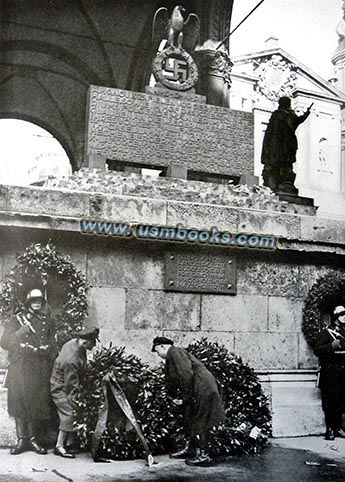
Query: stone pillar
x=338 y=58
x=214 y=76
x=338 y=80
x=96 y=161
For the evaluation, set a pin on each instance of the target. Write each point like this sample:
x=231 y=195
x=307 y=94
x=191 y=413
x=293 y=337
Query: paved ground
x=304 y=459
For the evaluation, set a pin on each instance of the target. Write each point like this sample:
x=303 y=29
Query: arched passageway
x=29 y=154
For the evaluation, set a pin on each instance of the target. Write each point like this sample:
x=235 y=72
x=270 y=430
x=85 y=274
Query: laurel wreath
x=174 y=52
x=40 y=266
x=327 y=292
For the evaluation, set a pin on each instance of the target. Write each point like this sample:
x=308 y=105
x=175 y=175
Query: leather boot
x=188 y=451
x=202 y=459
x=73 y=448
x=34 y=446
x=340 y=433
x=329 y=434
x=20 y=447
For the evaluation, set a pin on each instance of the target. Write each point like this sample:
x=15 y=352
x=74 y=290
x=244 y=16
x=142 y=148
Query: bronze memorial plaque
x=147 y=129
x=200 y=273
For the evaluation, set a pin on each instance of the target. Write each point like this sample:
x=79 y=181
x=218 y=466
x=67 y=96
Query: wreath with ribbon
x=246 y=429
x=65 y=289
x=327 y=292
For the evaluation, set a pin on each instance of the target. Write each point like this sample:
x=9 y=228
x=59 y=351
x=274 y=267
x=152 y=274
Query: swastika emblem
x=176 y=69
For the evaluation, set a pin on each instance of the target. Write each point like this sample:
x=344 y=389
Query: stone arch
x=25 y=107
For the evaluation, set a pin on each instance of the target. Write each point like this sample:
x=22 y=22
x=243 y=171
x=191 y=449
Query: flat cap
x=161 y=340
x=89 y=333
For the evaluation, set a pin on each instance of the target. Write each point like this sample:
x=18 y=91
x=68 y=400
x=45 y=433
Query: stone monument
x=249 y=299
x=170 y=126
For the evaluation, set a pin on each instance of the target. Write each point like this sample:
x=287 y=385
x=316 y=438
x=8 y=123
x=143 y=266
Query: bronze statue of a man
x=280 y=146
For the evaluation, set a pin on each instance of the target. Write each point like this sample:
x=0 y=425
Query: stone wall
x=261 y=323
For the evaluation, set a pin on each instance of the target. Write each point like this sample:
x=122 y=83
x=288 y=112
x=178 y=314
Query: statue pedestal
x=294 y=199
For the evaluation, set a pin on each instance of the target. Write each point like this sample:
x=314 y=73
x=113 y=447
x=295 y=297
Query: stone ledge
x=162 y=201
x=72 y=224
x=295 y=402
x=113 y=182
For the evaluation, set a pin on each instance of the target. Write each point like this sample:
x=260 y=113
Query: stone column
x=214 y=76
x=338 y=58
x=338 y=61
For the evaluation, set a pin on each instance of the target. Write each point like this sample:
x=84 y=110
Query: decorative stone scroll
x=157 y=131
x=277 y=77
x=200 y=273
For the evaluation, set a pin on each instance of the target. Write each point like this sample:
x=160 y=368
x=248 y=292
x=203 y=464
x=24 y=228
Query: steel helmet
x=34 y=294
x=338 y=310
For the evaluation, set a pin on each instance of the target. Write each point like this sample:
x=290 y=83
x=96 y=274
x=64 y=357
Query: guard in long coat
x=29 y=339
x=280 y=146
x=65 y=385
x=330 y=348
x=188 y=378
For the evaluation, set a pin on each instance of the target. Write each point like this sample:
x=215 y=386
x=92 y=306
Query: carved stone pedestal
x=294 y=199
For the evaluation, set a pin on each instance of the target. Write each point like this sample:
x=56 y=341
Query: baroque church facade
x=259 y=79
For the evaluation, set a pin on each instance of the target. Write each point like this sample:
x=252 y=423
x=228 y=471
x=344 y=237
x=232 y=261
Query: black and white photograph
x=172 y=240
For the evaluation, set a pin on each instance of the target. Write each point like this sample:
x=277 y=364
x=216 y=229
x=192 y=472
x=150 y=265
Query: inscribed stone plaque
x=156 y=130
x=200 y=273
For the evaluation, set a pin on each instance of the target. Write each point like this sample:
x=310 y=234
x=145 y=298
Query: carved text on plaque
x=200 y=273
x=157 y=131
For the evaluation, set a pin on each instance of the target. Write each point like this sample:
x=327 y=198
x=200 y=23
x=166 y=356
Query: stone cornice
x=62 y=209
x=333 y=91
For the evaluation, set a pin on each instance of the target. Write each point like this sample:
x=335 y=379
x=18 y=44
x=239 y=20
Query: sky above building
x=305 y=29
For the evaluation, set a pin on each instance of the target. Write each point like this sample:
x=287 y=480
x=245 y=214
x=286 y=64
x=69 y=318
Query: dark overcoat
x=280 y=141
x=30 y=358
x=189 y=378
x=65 y=382
x=332 y=371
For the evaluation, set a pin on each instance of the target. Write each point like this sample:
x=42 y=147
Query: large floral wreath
x=41 y=266
x=247 y=409
x=328 y=291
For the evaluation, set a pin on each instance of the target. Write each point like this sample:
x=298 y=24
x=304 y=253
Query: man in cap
x=65 y=385
x=330 y=348
x=29 y=339
x=188 y=378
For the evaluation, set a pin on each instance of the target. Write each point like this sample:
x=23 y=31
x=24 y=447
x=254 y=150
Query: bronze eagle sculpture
x=176 y=30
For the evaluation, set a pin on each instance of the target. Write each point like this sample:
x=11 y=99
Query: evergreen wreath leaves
x=327 y=291
x=246 y=406
x=35 y=268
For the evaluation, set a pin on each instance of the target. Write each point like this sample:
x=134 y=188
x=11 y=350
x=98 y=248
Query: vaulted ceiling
x=52 y=50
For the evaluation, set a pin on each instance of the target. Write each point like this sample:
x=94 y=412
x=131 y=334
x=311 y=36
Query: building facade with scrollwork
x=258 y=80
